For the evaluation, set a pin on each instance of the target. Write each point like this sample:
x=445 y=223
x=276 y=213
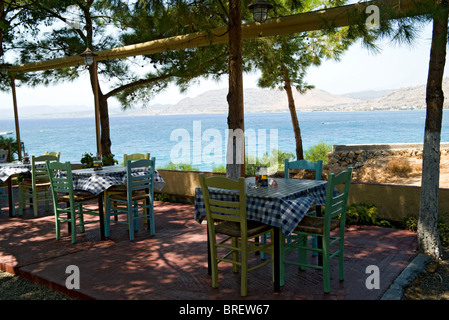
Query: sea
x=201 y=139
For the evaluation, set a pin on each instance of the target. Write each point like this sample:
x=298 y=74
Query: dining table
x=282 y=204
x=98 y=181
x=11 y=169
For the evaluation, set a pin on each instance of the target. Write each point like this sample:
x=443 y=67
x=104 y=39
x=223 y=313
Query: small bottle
x=97 y=162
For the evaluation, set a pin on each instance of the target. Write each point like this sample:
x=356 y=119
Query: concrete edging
x=413 y=270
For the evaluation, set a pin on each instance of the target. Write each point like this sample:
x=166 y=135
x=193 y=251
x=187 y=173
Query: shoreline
x=115 y=115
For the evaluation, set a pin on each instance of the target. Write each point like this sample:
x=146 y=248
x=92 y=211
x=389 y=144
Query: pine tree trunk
x=428 y=236
x=235 y=157
x=295 y=122
x=104 y=115
x=104 y=125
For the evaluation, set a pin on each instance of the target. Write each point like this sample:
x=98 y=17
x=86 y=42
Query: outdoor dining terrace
x=172 y=264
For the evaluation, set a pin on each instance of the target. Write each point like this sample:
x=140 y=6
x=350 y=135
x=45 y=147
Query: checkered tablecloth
x=11 y=168
x=281 y=206
x=98 y=181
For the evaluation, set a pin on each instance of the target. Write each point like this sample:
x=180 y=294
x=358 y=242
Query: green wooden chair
x=61 y=181
x=139 y=195
x=334 y=217
x=301 y=165
x=36 y=188
x=56 y=154
x=228 y=218
x=135 y=156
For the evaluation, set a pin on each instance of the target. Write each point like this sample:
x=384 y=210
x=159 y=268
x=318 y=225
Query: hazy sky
x=358 y=70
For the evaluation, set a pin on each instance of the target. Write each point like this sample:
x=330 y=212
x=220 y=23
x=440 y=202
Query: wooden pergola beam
x=309 y=21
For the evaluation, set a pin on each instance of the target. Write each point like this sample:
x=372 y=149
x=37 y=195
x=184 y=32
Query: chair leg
x=244 y=269
x=341 y=257
x=35 y=203
x=326 y=267
x=47 y=200
x=303 y=252
x=281 y=260
x=263 y=240
x=73 y=223
x=131 y=222
x=107 y=215
x=81 y=217
x=136 y=215
x=21 y=196
x=57 y=226
x=213 y=258
x=235 y=256
x=150 y=218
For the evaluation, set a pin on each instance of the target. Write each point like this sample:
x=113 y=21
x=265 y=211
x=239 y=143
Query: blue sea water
x=196 y=138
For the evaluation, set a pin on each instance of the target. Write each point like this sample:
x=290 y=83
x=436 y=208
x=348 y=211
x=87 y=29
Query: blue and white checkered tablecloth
x=98 y=181
x=11 y=168
x=281 y=206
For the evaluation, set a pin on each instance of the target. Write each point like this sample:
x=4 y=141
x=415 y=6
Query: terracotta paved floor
x=172 y=265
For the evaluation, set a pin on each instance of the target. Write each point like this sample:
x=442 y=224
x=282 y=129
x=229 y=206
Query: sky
x=396 y=66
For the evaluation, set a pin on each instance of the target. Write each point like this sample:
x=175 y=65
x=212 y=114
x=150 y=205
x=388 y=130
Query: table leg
x=277 y=258
x=101 y=214
x=10 y=198
x=319 y=239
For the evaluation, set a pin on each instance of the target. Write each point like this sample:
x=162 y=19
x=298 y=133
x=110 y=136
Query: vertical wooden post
x=235 y=166
x=97 y=106
x=16 y=117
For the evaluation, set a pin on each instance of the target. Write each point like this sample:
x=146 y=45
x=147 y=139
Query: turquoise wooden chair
x=3 y=156
x=36 y=188
x=4 y=194
x=304 y=165
x=301 y=165
x=334 y=217
x=126 y=157
x=138 y=196
x=75 y=202
x=228 y=218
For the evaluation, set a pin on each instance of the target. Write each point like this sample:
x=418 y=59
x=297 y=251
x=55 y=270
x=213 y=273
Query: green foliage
x=5 y=143
x=274 y=162
x=364 y=213
x=218 y=168
x=87 y=160
x=318 y=152
x=411 y=223
x=179 y=167
x=162 y=197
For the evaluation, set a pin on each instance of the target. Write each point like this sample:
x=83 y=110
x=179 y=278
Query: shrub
x=411 y=223
x=179 y=167
x=87 y=160
x=364 y=213
x=318 y=152
x=400 y=166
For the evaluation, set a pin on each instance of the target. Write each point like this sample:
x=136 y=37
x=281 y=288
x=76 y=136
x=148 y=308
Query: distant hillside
x=263 y=100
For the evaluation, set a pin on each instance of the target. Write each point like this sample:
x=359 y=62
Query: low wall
x=356 y=155
x=181 y=184
x=393 y=202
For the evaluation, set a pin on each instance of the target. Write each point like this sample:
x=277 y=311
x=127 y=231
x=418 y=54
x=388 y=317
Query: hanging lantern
x=260 y=10
x=88 y=56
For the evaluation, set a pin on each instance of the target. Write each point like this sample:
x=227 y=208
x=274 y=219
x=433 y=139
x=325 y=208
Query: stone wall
x=356 y=155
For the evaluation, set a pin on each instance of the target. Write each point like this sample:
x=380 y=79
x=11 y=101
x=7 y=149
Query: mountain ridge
x=260 y=100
